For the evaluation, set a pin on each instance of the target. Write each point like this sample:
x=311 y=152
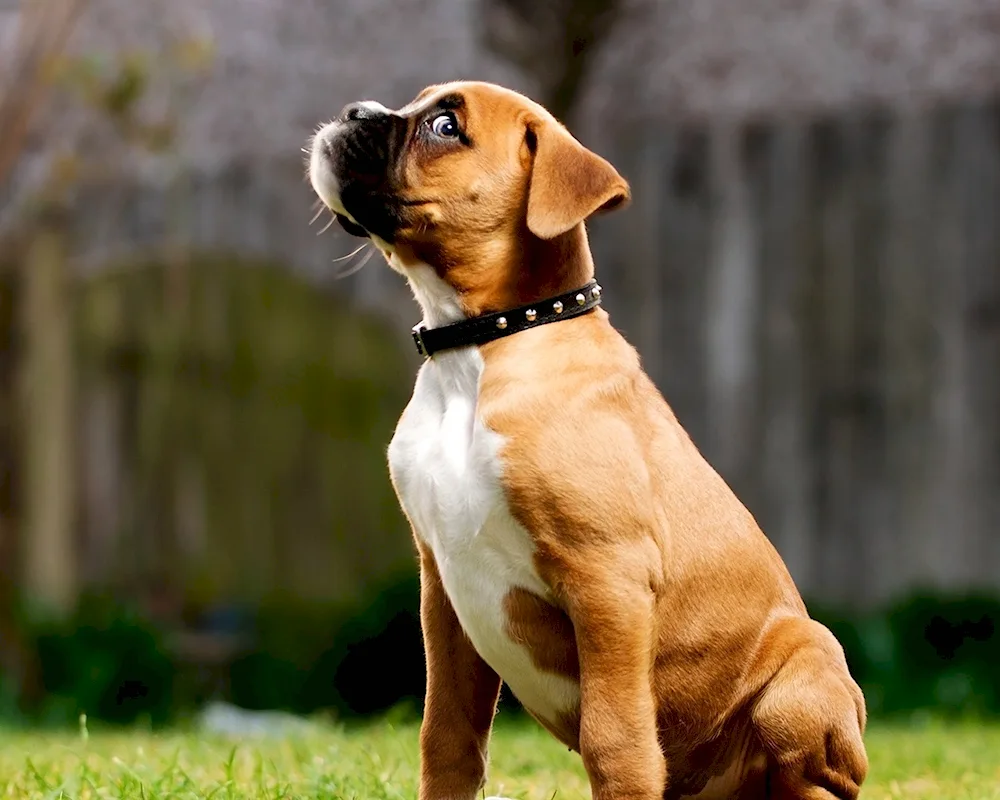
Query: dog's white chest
x=446 y=468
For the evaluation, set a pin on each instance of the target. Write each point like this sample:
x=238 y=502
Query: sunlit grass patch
x=379 y=761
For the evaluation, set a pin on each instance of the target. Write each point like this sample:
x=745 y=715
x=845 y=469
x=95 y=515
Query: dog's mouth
x=395 y=211
x=365 y=214
x=351 y=227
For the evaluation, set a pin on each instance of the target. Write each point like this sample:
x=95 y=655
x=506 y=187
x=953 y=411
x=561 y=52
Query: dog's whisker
x=351 y=254
x=348 y=272
x=317 y=215
x=326 y=227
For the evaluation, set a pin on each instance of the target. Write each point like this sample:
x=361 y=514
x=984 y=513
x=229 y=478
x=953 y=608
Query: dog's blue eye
x=445 y=126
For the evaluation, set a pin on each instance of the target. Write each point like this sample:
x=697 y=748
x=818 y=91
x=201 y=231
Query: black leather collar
x=487 y=328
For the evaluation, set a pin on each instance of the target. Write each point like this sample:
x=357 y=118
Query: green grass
x=377 y=762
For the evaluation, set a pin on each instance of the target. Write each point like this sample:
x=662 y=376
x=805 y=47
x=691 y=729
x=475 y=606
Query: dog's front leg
x=612 y=616
x=461 y=698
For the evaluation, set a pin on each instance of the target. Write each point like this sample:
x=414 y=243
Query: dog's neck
x=548 y=268
x=438 y=300
x=539 y=269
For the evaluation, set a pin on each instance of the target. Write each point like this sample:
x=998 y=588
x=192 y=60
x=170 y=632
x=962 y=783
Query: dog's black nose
x=360 y=112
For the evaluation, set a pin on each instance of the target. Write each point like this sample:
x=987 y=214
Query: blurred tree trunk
x=48 y=543
x=553 y=42
x=14 y=658
x=26 y=70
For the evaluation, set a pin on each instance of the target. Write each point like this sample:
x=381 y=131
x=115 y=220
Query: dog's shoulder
x=585 y=433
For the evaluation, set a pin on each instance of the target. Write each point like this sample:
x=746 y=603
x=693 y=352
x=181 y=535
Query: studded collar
x=488 y=327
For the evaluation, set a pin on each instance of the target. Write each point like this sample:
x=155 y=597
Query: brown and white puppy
x=573 y=542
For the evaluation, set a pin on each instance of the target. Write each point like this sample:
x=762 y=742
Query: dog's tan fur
x=700 y=672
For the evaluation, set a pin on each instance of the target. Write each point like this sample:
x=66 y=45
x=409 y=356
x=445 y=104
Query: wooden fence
x=818 y=299
x=820 y=302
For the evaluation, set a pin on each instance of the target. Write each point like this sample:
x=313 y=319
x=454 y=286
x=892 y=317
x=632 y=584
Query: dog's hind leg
x=810 y=717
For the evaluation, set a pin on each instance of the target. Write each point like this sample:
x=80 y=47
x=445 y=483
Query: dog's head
x=464 y=179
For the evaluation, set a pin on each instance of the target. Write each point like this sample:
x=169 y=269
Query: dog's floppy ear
x=568 y=182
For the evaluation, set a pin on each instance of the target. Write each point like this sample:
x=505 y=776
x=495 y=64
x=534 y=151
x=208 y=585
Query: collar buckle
x=417 y=332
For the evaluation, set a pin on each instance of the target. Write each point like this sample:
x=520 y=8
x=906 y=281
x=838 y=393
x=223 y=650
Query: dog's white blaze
x=374 y=105
x=446 y=467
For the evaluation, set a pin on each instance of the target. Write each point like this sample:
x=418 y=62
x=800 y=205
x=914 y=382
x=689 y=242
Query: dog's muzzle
x=351 y=165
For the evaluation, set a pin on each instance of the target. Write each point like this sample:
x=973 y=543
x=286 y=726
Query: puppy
x=573 y=542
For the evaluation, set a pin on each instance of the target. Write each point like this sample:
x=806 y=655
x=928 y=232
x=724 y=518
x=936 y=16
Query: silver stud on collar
x=557 y=307
x=502 y=323
x=596 y=292
x=580 y=299
x=531 y=314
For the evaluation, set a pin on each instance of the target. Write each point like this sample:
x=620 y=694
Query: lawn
x=376 y=762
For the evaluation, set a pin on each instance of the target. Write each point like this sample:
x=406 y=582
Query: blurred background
x=196 y=397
